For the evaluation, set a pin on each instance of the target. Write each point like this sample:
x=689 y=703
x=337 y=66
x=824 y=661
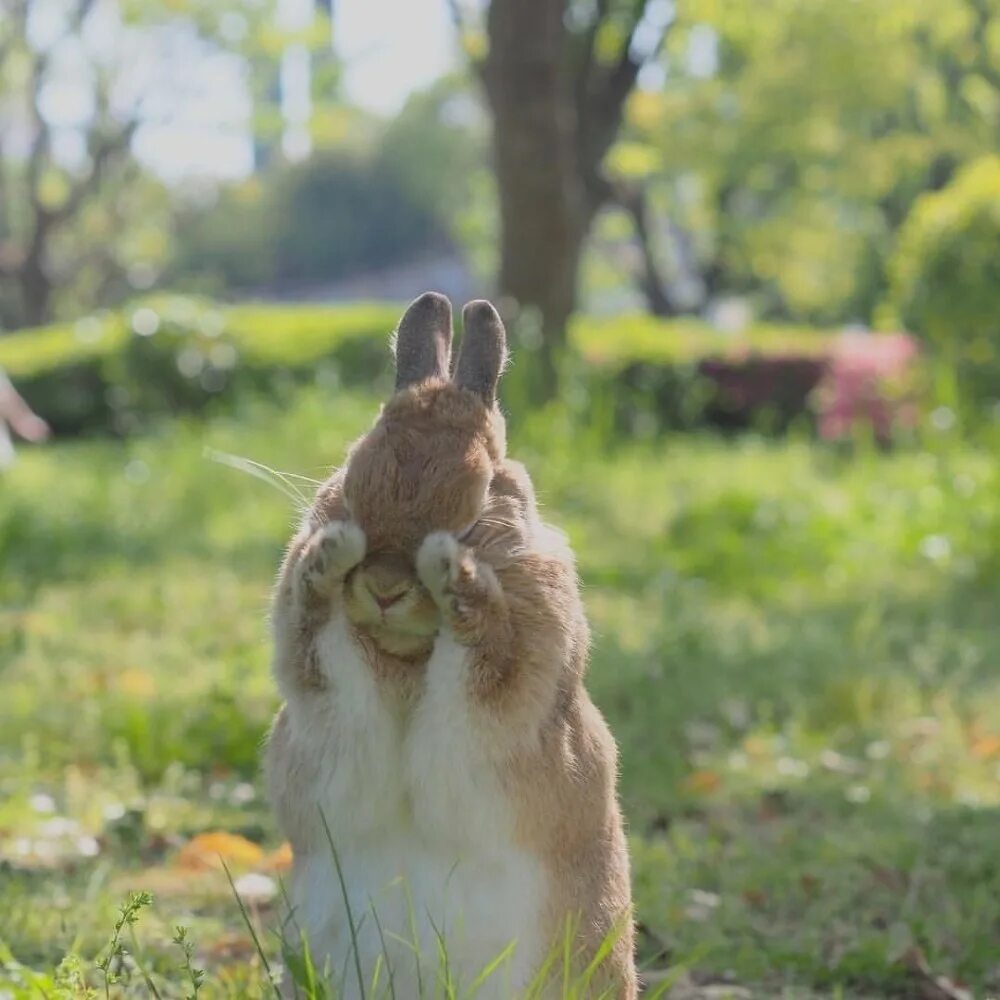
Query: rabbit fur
x=430 y=646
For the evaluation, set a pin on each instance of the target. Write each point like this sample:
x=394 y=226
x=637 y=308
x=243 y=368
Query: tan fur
x=449 y=527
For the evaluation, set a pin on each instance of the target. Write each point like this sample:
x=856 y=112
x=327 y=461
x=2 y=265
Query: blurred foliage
x=82 y=223
x=332 y=215
x=790 y=138
x=638 y=374
x=946 y=275
x=385 y=193
x=168 y=354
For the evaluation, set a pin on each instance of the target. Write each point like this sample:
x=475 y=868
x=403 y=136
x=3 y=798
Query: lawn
x=797 y=649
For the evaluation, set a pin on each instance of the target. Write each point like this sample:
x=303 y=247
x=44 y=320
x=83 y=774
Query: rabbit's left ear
x=483 y=353
x=423 y=340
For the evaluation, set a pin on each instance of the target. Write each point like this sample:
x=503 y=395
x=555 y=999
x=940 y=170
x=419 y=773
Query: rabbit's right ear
x=483 y=353
x=423 y=340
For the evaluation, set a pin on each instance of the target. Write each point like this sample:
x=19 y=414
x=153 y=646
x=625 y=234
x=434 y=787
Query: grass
x=797 y=650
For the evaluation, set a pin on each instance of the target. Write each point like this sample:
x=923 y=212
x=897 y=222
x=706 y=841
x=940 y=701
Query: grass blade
x=385 y=951
x=491 y=967
x=252 y=929
x=150 y=985
x=347 y=905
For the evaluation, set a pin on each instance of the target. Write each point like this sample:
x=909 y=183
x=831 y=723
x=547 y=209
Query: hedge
x=114 y=370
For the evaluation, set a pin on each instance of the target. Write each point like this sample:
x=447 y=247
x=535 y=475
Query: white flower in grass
x=113 y=811
x=58 y=826
x=242 y=794
x=87 y=847
x=701 y=905
x=789 y=767
x=256 y=888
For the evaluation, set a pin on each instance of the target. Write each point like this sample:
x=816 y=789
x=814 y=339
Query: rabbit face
x=425 y=466
x=384 y=599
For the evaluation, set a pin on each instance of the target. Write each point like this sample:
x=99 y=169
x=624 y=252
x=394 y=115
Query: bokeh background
x=749 y=256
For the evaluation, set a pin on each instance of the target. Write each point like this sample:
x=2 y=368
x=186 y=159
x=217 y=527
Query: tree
x=946 y=274
x=36 y=199
x=556 y=75
x=74 y=202
x=790 y=138
x=391 y=193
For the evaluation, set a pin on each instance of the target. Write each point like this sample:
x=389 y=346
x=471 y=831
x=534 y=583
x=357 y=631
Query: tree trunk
x=651 y=280
x=543 y=206
x=557 y=109
x=36 y=291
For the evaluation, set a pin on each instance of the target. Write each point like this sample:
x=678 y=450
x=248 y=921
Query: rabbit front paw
x=332 y=552
x=465 y=588
x=448 y=570
x=439 y=564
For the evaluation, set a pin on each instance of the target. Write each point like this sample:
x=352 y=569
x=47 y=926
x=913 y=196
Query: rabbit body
x=430 y=644
x=419 y=823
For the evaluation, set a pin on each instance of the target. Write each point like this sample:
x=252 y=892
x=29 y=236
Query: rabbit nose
x=385 y=600
x=388 y=578
x=386 y=596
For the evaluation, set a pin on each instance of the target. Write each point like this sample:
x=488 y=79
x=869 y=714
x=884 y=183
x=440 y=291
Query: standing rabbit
x=436 y=742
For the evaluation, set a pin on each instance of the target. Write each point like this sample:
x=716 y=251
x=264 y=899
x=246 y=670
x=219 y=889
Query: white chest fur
x=422 y=829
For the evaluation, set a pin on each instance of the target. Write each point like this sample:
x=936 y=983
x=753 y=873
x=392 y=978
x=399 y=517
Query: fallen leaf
x=774 y=804
x=702 y=782
x=891 y=878
x=138 y=683
x=204 y=851
x=987 y=746
x=280 y=860
x=810 y=884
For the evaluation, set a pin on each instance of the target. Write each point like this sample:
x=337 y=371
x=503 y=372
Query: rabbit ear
x=423 y=340
x=483 y=352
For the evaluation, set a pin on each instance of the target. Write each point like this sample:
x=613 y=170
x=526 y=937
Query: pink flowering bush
x=869 y=383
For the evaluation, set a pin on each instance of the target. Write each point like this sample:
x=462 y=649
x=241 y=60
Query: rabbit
x=445 y=782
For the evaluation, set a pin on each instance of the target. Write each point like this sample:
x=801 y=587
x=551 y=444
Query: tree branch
x=462 y=29
x=83 y=8
x=457 y=15
x=585 y=68
x=651 y=280
x=106 y=150
x=602 y=92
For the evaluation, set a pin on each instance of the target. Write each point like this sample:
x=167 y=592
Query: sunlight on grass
x=796 y=650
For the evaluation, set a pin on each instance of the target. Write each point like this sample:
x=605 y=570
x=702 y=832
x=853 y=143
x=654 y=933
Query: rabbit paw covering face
x=331 y=554
x=439 y=564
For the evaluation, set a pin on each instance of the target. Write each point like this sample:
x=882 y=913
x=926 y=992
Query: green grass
x=797 y=650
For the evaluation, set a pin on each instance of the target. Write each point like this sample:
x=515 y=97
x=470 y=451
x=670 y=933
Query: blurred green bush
x=338 y=213
x=632 y=374
x=945 y=276
x=171 y=354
